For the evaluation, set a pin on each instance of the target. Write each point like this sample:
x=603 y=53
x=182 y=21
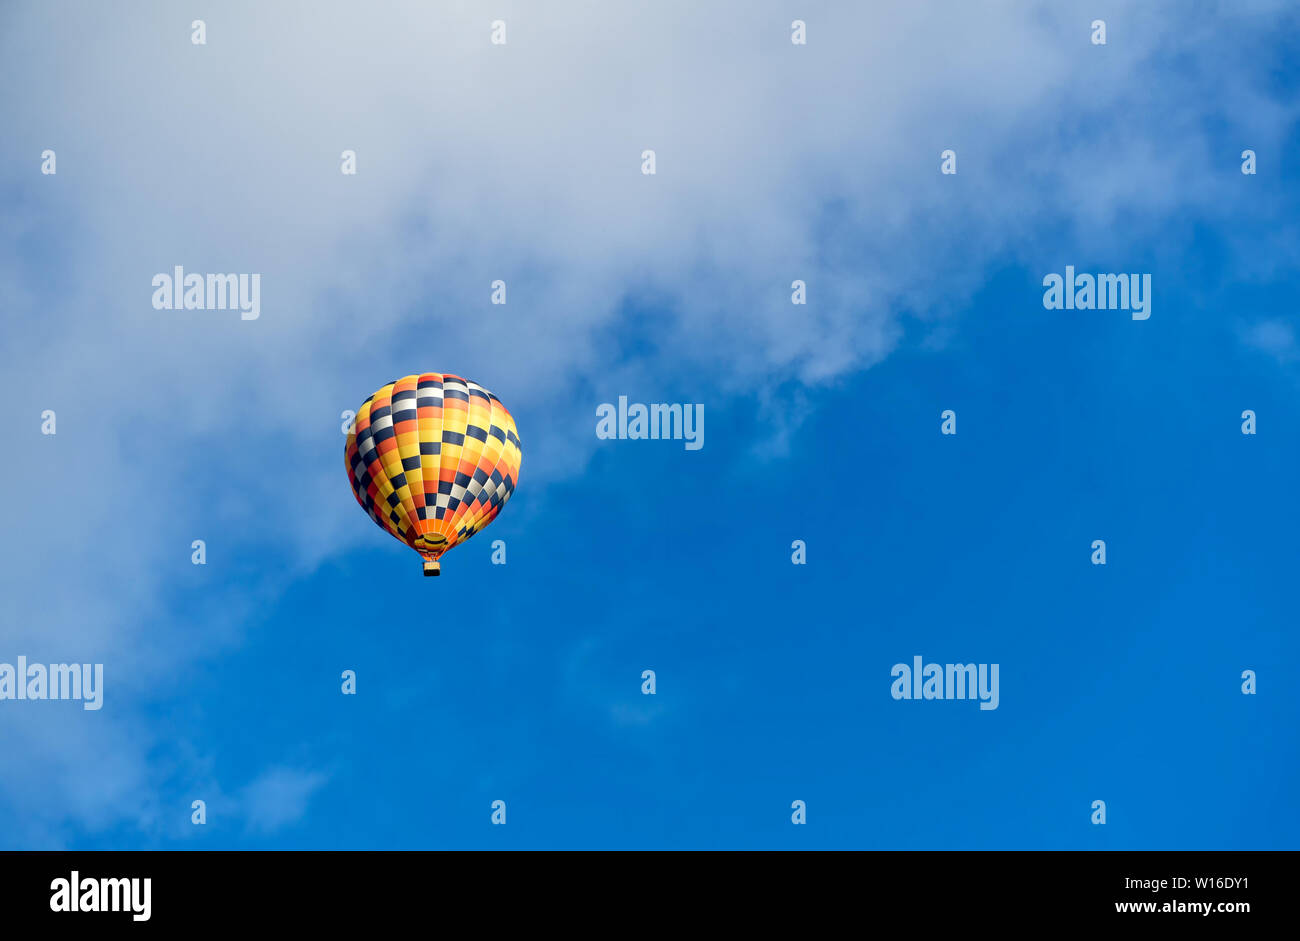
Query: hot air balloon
x=433 y=458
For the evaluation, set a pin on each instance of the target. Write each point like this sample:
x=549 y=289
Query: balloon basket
x=432 y=568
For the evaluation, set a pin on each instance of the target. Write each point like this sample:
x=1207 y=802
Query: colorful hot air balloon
x=433 y=458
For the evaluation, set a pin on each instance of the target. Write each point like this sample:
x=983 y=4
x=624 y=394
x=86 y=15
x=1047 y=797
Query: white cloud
x=278 y=798
x=1273 y=336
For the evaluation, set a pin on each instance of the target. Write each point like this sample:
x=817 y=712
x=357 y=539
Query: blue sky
x=522 y=682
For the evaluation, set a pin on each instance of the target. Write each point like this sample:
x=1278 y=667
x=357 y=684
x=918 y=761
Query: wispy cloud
x=278 y=798
x=1273 y=336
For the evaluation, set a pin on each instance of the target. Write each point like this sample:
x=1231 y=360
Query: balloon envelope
x=433 y=458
